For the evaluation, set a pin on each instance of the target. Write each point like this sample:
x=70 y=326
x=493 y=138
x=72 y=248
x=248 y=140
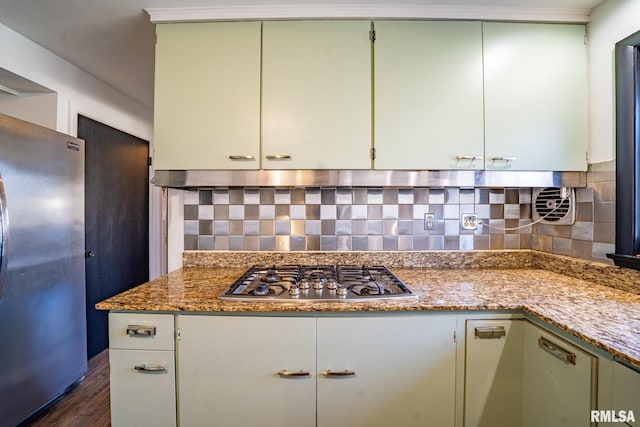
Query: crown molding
x=365 y=11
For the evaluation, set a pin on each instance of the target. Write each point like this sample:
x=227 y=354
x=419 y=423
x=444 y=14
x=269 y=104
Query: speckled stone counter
x=604 y=316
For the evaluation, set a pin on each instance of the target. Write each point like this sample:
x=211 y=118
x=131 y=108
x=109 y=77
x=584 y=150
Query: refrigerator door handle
x=4 y=235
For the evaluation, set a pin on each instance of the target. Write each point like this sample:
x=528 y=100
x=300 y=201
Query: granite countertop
x=604 y=316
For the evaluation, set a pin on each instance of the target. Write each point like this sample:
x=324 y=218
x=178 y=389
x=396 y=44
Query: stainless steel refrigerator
x=42 y=277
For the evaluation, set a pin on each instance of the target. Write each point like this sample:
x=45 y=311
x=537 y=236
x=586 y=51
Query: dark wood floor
x=86 y=405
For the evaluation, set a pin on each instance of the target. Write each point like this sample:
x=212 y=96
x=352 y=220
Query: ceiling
x=114 y=39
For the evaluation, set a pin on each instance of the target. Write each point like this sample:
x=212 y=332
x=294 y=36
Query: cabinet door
x=142 y=388
x=428 y=95
x=228 y=371
x=207 y=96
x=559 y=381
x=535 y=96
x=316 y=95
x=626 y=393
x=493 y=376
x=403 y=371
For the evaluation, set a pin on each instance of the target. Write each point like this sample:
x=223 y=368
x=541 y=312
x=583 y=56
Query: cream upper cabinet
x=207 y=96
x=316 y=95
x=428 y=95
x=535 y=96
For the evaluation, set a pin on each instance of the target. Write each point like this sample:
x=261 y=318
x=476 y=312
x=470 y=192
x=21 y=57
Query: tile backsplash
x=390 y=219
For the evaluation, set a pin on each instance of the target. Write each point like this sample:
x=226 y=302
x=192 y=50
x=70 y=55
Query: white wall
x=77 y=90
x=80 y=93
x=611 y=22
x=38 y=108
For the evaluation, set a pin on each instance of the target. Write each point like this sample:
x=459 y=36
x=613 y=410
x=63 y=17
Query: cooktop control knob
x=304 y=285
x=318 y=285
x=294 y=291
x=332 y=285
x=342 y=291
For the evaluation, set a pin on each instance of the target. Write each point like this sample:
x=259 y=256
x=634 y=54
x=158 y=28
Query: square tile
x=251 y=196
x=282 y=196
x=190 y=212
x=220 y=197
x=390 y=196
x=328 y=212
x=205 y=212
x=220 y=212
x=191 y=197
x=328 y=196
x=236 y=212
x=236 y=196
x=267 y=196
x=205 y=198
x=267 y=212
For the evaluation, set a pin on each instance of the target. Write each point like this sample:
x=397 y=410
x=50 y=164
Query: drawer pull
x=150 y=369
x=141 y=331
x=557 y=351
x=345 y=373
x=241 y=158
x=504 y=159
x=490 y=331
x=468 y=158
x=296 y=374
x=278 y=157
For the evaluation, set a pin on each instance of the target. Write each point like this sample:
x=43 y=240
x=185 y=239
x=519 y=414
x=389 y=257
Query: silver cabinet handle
x=241 y=158
x=152 y=368
x=4 y=236
x=345 y=373
x=557 y=351
x=468 y=158
x=506 y=159
x=141 y=331
x=296 y=374
x=490 y=331
x=278 y=157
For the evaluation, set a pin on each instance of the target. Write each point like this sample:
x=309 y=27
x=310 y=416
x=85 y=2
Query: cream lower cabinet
x=493 y=380
x=142 y=370
x=518 y=374
x=400 y=371
x=246 y=371
x=303 y=371
x=559 y=381
x=626 y=395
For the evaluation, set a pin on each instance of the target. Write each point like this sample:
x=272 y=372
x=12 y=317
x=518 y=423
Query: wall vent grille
x=554 y=205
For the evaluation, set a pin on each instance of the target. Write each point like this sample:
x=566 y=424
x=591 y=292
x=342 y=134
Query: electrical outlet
x=469 y=221
x=429 y=221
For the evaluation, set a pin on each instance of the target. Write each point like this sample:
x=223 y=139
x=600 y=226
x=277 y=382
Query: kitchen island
x=594 y=306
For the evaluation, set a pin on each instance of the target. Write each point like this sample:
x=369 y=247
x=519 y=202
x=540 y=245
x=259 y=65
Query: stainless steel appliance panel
x=42 y=307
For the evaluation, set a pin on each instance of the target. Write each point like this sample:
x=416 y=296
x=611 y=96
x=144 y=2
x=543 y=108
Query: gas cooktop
x=287 y=283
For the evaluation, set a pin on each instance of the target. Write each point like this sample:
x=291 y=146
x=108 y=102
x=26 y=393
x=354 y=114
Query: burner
x=271 y=276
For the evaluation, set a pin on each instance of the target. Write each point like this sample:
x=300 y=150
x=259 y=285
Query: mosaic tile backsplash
x=373 y=219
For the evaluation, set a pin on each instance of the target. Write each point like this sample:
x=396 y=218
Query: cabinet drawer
x=142 y=387
x=141 y=331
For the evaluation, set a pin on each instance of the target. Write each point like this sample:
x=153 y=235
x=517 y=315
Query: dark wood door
x=116 y=219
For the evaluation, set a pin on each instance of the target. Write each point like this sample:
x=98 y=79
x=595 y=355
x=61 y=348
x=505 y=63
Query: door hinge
x=150 y=162
x=455 y=337
x=178 y=334
x=586 y=156
x=372 y=36
x=372 y=153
